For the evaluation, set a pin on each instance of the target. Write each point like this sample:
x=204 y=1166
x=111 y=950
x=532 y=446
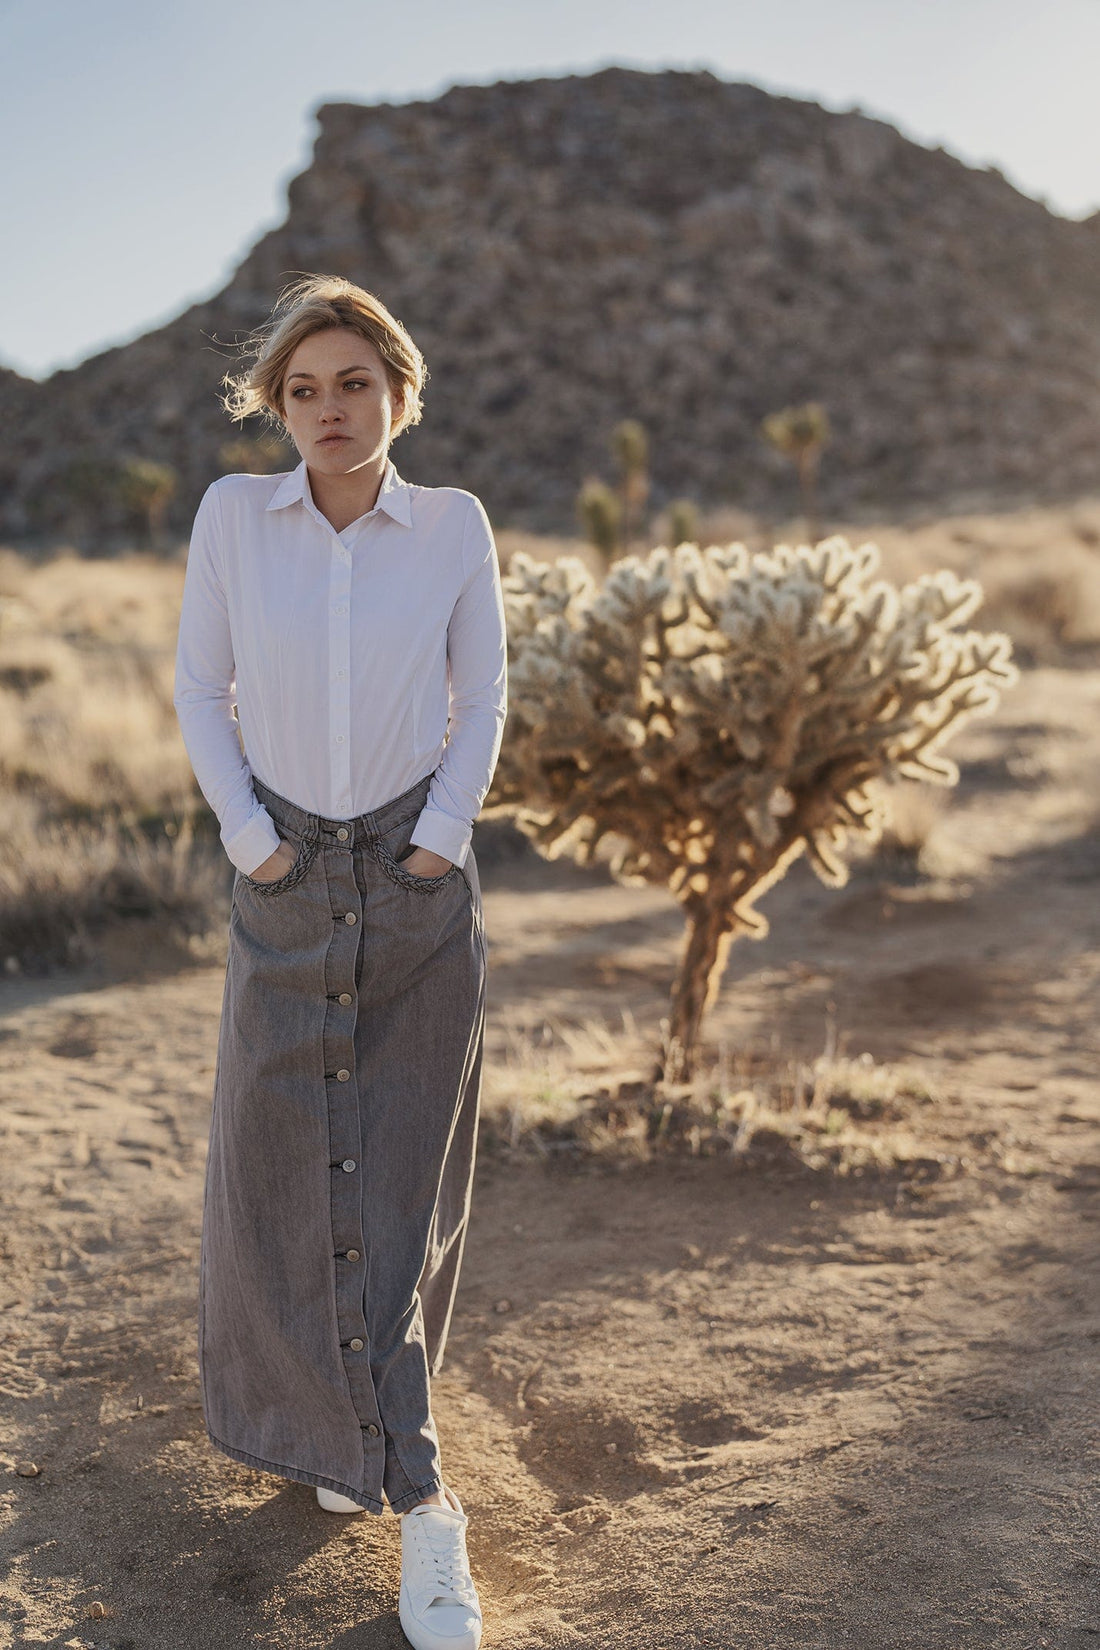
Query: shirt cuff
x=442 y=834
x=254 y=842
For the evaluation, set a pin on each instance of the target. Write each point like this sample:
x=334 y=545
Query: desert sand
x=689 y=1401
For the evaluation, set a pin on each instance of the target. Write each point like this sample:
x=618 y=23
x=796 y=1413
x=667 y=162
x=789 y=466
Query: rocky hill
x=667 y=246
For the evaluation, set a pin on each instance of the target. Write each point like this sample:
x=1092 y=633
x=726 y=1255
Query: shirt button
x=372 y=1429
x=339 y=739
x=348 y=1164
x=357 y=1345
x=349 y=917
x=342 y=834
x=345 y=998
x=342 y=1075
x=353 y=1254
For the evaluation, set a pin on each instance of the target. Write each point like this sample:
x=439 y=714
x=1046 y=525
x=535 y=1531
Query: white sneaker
x=337 y=1503
x=439 y=1607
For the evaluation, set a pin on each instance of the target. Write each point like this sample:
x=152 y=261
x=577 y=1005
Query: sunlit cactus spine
x=713 y=713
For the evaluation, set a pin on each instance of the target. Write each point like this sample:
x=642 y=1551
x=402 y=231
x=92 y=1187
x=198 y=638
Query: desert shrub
x=713 y=713
x=102 y=830
x=71 y=890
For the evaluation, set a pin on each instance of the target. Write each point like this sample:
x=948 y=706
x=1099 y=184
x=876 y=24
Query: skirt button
x=345 y=998
x=356 y=1345
x=351 y=917
x=342 y=834
x=353 y=1254
x=343 y=1074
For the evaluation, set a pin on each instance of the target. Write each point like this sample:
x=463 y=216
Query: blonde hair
x=311 y=304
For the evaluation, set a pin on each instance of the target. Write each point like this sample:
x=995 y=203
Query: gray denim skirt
x=341 y=1157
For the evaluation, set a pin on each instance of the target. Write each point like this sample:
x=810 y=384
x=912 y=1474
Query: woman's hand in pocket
x=277 y=864
x=422 y=862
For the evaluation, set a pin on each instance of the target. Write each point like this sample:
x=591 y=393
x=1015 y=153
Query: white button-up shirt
x=358 y=661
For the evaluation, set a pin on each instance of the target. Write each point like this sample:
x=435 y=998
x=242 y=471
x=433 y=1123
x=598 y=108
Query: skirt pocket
x=307 y=853
x=394 y=846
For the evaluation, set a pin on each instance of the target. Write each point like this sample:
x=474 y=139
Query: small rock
x=27 y=1469
x=503 y=1306
x=97 y=1608
x=611 y=1449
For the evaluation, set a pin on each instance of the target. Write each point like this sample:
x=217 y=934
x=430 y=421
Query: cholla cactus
x=714 y=713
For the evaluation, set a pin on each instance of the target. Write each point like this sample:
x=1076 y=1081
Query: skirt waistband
x=357 y=831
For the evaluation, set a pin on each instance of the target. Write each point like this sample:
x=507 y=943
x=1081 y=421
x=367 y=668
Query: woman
x=357 y=623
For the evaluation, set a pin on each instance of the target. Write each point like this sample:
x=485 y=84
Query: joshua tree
x=85 y=486
x=145 y=488
x=599 y=511
x=611 y=517
x=683 y=521
x=255 y=455
x=104 y=493
x=714 y=713
x=630 y=447
x=800 y=433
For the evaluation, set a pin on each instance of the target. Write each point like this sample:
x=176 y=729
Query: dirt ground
x=687 y=1403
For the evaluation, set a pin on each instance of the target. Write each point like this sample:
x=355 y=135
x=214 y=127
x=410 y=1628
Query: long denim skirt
x=341 y=1157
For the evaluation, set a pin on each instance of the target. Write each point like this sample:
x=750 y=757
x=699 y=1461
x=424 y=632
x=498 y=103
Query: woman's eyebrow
x=341 y=374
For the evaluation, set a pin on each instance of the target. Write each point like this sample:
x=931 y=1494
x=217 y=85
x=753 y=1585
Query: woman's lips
x=330 y=440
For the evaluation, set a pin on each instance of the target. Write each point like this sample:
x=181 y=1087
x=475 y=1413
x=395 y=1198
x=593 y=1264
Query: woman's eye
x=306 y=389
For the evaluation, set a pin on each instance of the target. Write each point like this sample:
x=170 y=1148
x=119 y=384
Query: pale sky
x=147 y=146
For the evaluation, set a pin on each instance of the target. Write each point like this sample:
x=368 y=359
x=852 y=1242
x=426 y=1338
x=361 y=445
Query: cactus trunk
x=710 y=932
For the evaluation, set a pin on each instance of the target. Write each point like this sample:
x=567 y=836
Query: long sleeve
x=477 y=668
x=205 y=693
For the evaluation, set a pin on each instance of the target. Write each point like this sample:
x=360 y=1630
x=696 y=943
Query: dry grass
x=579 y=1091
x=107 y=848
x=1039 y=569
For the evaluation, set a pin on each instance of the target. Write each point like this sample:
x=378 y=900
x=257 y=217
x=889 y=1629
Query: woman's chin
x=335 y=458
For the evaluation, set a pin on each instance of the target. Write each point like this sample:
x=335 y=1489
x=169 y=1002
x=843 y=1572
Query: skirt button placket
x=344 y=1131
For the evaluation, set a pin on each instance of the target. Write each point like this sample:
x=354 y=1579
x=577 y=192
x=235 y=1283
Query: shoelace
x=441 y=1550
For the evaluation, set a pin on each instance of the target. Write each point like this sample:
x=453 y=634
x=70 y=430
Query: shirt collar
x=394 y=495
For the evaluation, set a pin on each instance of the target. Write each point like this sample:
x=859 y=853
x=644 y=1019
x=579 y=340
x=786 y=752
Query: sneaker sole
x=332 y=1502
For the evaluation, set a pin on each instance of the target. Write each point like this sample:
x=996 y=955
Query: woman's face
x=336 y=387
